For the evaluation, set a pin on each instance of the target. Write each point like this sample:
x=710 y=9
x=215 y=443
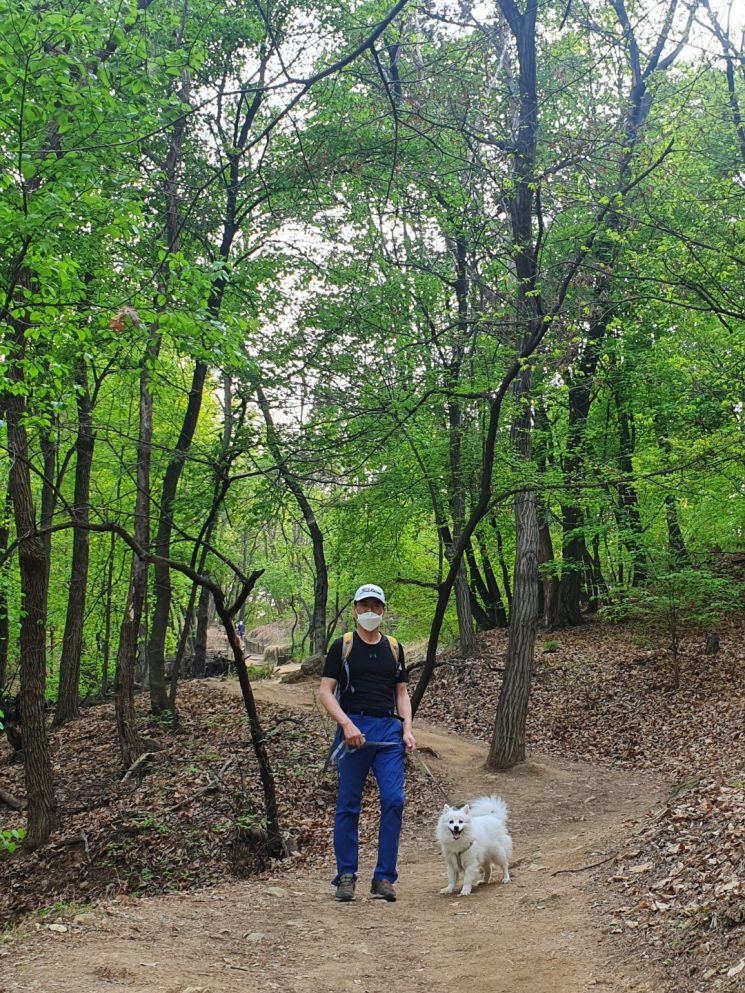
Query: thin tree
x=72 y=640
x=318 y=632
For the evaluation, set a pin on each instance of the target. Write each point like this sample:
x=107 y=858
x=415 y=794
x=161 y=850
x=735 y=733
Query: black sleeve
x=332 y=665
x=402 y=674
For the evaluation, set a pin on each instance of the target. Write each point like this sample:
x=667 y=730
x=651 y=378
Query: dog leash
x=342 y=749
x=415 y=755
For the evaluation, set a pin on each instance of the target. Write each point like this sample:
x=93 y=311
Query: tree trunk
x=33 y=567
x=456 y=481
x=597 y=589
x=675 y=541
x=130 y=745
x=275 y=846
x=162 y=584
x=199 y=663
x=48 y=500
x=320 y=594
x=72 y=640
x=487 y=617
x=508 y=739
x=4 y=620
x=183 y=641
x=495 y=596
x=600 y=595
x=201 y=550
x=534 y=323
x=484 y=621
x=466 y=640
x=503 y=565
x=629 y=504
x=106 y=645
x=549 y=584
x=320 y=570
x=566 y=608
x=566 y=612
x=153 y=656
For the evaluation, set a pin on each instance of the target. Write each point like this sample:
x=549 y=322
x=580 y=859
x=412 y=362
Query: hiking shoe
x=381 y=889
x=345 y=889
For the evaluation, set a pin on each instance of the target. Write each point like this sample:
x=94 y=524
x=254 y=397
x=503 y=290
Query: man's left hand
x=409 y=742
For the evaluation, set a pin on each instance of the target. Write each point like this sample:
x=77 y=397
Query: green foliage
x=675 y=598
x=147 y=822
x=10 y=839
x=250 y=822
x=339 y=294
x=259 y=671
x=679 y=596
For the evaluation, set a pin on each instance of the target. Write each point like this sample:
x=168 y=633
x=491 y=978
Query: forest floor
x=607 y=845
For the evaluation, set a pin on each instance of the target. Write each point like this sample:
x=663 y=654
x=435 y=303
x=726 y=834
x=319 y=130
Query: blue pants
x=387 y=765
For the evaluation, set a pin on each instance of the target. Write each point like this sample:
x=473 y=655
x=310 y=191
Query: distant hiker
x=241 y=629
x=363 y=688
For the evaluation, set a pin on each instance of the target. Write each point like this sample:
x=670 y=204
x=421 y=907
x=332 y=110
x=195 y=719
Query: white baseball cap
x=369 y=589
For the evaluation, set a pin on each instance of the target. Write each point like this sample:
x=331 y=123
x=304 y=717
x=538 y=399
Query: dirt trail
x=539 y=934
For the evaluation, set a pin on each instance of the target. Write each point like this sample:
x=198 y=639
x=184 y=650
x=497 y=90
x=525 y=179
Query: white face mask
x=369 y=620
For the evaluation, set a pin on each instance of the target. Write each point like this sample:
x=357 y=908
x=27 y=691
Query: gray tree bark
x=508 y=739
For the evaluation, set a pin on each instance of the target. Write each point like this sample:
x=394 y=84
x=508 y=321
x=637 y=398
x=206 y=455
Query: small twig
x=583 y=868
x=215 y=782
x=211 y=786
x=137 y=765
x=86 y=846
x=284 y=720
x=225 y=766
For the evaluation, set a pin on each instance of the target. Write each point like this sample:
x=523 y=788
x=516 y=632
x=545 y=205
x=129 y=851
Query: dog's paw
x=447 y=889
x=465 y=891
x=506 y=878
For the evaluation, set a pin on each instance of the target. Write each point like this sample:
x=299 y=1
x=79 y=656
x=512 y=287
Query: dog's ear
x=466 y=810
x=446 y=809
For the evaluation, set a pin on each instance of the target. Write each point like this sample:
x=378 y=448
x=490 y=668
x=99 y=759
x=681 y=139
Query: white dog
x=472 y=838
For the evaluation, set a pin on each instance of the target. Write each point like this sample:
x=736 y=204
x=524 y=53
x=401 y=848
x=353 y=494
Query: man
x=366 y=695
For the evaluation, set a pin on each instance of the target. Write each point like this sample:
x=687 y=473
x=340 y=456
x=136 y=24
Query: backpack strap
x=346 y=647
x=395 y=651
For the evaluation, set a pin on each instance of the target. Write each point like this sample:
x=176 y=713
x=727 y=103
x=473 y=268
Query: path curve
x=542 y=933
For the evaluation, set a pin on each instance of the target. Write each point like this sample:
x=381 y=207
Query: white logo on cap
x=370 y=589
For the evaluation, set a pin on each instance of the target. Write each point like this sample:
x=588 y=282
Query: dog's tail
x=494 y=805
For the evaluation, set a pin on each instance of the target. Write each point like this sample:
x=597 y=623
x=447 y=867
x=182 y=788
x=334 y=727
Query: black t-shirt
x=373 y=674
